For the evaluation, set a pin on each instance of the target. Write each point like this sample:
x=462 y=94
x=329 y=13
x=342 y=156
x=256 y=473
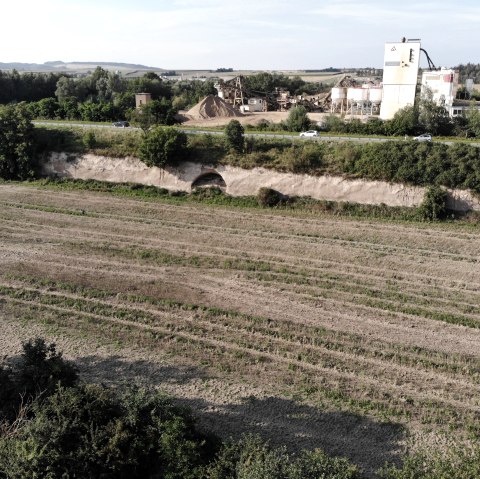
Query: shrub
x=268 y=197
x=163 y=146
x=306 y=159
x=42 y=368
x=459 y=462
x=7 y=395
x=297 y=119
x=234 y=136
x=88 y=431
x=89 y=139
x=16 y=143
x=252 y=458
x=434 y=205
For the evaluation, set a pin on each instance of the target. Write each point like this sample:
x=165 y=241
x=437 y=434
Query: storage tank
x=375 y=95
x=339 y=94
x=357 y=94
x=469 y=85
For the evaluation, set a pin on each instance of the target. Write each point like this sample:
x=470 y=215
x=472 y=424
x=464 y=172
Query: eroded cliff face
x=241 y=182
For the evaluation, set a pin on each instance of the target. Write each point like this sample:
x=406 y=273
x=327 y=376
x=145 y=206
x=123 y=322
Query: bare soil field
x=314 y=331
x=249 y=119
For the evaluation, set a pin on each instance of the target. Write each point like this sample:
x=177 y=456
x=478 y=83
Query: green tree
x=334 y=123
x=404 y=122
x=234 y=136
x=48 y=108
x=155 y=112
x=297 y=119
x=473 y=122
x=432 y=117
x=69 y=108
x=163 y=146
x=66 y=88
x=16 y=143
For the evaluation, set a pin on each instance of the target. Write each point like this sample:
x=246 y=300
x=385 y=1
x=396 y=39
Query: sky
x=247 y=34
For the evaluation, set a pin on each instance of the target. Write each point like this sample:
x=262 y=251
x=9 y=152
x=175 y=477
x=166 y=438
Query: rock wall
x=241 y=182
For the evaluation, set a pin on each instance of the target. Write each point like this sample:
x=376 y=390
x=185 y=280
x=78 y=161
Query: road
x=322 y=137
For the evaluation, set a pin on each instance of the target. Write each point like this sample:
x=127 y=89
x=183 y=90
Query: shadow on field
x=115 y=370
x=367 y=443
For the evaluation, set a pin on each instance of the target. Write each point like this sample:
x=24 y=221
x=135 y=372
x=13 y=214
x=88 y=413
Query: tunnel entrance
x=209 y=180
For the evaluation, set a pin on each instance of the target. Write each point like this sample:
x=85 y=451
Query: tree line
x=109 y=96
x=101 y=96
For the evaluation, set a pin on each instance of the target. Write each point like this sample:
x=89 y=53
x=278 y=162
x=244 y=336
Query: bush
x=8 y=395
x=459 y=462
x=297 y=119
x=268 y=197
x=42 y=369
x=88 y=431
x=89 y=139
x=234 y=136
x=16 y=143
x=252 y=458
x=306 y=159
x=434 y=205
x=163 y=146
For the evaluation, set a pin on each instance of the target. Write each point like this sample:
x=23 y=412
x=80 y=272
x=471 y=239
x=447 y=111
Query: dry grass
x=355 y=320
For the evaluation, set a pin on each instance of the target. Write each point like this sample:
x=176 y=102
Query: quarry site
x=351 y=96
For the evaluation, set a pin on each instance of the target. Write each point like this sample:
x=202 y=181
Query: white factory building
x=442 y=85
x=400 y=76
x=399 y=86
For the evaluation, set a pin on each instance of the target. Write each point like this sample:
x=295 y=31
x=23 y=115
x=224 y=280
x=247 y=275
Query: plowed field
x=314 y=331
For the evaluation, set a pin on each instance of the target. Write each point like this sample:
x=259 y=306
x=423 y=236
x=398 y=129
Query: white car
x=121 y=124
x=309 y=133
x=424 y=137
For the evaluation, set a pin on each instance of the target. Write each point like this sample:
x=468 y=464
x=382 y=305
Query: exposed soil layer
x=212 y=107
x=314 y=331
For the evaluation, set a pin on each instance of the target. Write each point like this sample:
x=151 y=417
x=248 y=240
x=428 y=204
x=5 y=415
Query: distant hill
x=58 y=66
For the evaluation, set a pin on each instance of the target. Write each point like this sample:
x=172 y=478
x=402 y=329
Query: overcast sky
x=247 y=34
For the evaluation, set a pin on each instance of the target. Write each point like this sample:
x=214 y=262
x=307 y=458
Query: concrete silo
x=400 y=76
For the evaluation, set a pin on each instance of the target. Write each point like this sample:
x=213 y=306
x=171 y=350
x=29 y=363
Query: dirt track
x=313 y=331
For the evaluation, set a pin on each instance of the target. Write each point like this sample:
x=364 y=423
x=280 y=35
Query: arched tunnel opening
x=209 y=180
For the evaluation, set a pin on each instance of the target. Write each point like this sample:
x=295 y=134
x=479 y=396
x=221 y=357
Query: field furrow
x=365 y=317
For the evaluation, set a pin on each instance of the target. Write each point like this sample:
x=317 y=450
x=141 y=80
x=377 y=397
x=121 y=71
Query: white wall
x=242 y=182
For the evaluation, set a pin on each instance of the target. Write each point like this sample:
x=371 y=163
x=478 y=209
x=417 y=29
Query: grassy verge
x=215 y=197
x=405 y=162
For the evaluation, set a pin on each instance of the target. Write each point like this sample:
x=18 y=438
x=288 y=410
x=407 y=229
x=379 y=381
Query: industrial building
x=363 y=97
x=142 y=99
x=400 y=76
x=442 y=85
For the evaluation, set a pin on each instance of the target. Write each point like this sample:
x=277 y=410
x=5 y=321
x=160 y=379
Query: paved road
x=210 y=132
x=322 y=137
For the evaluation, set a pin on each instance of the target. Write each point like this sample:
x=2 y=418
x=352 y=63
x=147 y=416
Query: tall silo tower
x=400 y=76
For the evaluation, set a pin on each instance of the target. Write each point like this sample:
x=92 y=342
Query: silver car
x=424 y=137
x=309 y=133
